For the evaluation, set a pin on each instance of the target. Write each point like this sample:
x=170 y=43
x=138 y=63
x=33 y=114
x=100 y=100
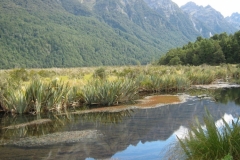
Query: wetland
x=130 y=113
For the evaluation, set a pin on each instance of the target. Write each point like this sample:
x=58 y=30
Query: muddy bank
x=56 y=138
x=147 y=102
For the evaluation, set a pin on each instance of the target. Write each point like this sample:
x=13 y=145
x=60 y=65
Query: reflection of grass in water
x=106 y=117
x=210 y=141
x=22 y=126
x=213 y=93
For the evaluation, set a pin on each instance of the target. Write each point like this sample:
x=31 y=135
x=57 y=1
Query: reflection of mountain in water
x=153 y=124
x=144 y=125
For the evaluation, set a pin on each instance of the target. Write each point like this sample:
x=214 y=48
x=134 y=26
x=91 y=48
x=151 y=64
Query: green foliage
x=37 y=97
x=200 y=77
x=111 y=86
x=46 y=73
x=227 y=157
x=164 y=83
x=211 y=141
x=106 y=93
x=100 y=73
x=19 y=75
x=213 y=51
x=70 y=33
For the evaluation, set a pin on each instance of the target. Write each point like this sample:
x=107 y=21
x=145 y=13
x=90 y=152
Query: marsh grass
x=165 y=83
x=107 y=93
x=36 y=97
x=103 y=86
x=201 y=76
x=15 y=101
x=210 y=141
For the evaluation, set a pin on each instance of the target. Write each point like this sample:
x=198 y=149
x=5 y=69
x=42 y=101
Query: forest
x=46 y=34
x=220 y=48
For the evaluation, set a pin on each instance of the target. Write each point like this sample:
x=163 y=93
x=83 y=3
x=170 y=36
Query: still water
x=127 y=135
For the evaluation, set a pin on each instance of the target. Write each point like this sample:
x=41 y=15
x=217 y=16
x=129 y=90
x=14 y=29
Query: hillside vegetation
x=220 y=48
x=71 y=33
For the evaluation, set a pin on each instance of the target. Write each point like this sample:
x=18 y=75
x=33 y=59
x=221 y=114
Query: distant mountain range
x=207 y=21
x=234 y=20
x=74 y=33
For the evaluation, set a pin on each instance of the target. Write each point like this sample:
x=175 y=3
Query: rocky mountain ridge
x=207 y=21
x=234 y=20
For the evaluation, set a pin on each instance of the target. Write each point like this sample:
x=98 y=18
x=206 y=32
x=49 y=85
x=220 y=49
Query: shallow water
x=133 y=134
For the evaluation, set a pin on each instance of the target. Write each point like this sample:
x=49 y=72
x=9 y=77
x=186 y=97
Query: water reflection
x=223 y=95
x=135 y=134
x=226 y=95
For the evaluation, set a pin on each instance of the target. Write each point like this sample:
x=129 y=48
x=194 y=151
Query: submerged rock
x=57 y=138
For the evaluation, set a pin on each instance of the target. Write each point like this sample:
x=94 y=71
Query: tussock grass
x=34 y=90
x=210 y=141
x=36 y=97
x=107 y=93
x=164 y=83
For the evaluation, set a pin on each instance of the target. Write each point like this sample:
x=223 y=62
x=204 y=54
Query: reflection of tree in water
x=223 y=95
x=228 y=95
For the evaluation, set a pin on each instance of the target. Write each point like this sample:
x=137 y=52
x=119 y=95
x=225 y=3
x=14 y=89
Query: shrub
x=19 y=74
x=100 y=73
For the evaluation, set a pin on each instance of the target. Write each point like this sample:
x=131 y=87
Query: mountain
x=53 y=33
x=207 y=21
x=174 y=15
x=234 y=20
x=76 y=33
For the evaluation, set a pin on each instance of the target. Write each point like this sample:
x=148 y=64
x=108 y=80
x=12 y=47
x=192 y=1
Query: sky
x=226 y=7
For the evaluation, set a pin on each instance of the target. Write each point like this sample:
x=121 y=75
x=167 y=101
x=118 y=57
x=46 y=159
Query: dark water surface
x=135 y=134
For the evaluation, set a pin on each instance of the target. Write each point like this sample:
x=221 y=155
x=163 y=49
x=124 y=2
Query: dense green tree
x=220 y=48
x=175 y=61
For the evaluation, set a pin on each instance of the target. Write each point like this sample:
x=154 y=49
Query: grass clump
x=36 y=97
x=107 y=93
x=164 y=83
x=211 y=141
